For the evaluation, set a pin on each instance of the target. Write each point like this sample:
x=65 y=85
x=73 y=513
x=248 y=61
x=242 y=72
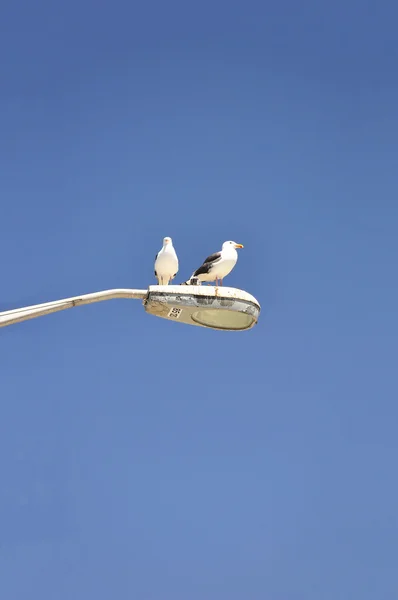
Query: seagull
x=216 y=266
x=166 y=262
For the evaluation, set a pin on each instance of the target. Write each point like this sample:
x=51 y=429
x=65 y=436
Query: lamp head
x=224 y=308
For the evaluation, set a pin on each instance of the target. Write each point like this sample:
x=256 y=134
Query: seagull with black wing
x=216 y=266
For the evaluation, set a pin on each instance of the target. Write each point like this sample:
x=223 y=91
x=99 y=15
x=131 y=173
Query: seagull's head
x=167 y=241
x=229 y=244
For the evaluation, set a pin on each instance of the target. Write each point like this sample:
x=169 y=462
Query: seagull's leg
x=221 y=281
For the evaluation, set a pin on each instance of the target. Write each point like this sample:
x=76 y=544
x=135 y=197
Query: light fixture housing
x=222 y=308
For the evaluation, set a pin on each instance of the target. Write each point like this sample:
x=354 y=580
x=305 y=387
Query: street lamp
x=222 y=308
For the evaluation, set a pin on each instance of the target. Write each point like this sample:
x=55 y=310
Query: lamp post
x=222 y=308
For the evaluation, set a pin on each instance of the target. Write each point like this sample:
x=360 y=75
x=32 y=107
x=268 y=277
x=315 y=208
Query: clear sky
x=149 y=460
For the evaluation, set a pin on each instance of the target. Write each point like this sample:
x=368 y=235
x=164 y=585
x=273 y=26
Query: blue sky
x=144 y=459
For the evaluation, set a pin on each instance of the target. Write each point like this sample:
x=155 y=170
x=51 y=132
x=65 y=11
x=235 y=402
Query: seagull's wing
x=209 y=261
x=155 y=263
x=212 y=258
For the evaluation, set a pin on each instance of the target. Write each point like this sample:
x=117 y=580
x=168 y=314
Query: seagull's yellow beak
x=239 y=246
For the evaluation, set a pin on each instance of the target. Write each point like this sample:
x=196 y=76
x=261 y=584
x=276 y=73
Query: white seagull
x=166 y=263
x=216 y=266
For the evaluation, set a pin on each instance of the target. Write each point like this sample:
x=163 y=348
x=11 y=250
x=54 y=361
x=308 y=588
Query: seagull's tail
x=192 y=281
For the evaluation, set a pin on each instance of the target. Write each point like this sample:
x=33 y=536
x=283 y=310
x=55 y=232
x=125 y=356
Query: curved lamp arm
x=17 y=315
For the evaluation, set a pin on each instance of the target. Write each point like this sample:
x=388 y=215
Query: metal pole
x=17 y=315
